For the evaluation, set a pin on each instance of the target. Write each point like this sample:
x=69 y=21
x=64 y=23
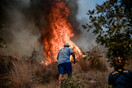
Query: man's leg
x=60 y=77
x=68 y=67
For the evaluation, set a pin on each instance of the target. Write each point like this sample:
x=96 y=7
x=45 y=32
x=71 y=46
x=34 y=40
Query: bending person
x=64 y=63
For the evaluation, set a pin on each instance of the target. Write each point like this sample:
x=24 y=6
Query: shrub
x=43 y=74
x=93 y=60
x=20 y=75
x=129 y=64
x=98 y=64
x=84 y=65
x=26 y=74
x=72 y=83
x=53 y=68
x=5 y=66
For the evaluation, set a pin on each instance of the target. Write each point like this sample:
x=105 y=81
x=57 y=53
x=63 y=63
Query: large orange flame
x=61 y=31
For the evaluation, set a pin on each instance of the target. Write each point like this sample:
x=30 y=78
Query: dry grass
x=52 y=84
x=43 y=74
x=94 y=64
x=93 y=60
x=20 y=75
x=25 y=74
x=92 y=78
x=98 y=64
x=5 y=66
x=84 y=66
x=96 y=79
x=129 y=64
x=92 y=70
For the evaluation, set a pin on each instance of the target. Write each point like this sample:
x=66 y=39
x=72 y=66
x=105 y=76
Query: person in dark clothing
x=120 y=77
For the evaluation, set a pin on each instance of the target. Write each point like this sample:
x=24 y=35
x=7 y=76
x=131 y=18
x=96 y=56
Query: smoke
x=73 y=6
x=26 y=24
x=20 y=32
x=85 y=40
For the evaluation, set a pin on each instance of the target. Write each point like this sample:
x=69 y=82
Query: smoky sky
x=25 y=23
x=20 y=31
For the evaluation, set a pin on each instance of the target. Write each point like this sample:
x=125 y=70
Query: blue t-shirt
x=64 y=55
x=121 y=80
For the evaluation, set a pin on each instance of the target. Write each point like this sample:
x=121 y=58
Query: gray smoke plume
x=73 y=6
x=20 y=32
x=83 y=39
x=26 y=25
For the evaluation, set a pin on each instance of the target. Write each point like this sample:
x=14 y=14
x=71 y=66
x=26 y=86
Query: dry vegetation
x=129 y=64
x=92 y=71
x=26 y=75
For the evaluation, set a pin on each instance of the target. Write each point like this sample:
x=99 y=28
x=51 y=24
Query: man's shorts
x=65 y=68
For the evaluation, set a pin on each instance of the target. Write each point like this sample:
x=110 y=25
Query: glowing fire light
x=42 y=62
x=15 y=57
x=60 y=31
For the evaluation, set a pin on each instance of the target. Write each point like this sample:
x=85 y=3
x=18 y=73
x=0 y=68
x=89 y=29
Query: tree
x=127 y=4
x=112 y=23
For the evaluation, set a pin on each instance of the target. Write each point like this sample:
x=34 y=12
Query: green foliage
x=72 y=83
x=127 y=4
x=111 y=22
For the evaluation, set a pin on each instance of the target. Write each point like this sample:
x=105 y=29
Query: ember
x=61 y=31
x=15 y=57
x=42 y=62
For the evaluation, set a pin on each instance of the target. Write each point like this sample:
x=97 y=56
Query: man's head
x=66 y=45
x=118 y=63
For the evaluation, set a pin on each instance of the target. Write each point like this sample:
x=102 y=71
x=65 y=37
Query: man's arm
x=73 y=55
x=57 y=55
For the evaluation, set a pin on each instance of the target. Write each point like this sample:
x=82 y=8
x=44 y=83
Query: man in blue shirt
x=120 y=77
x=64 y=63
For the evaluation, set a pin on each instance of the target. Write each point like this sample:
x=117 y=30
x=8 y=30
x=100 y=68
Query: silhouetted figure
x=120 y=77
